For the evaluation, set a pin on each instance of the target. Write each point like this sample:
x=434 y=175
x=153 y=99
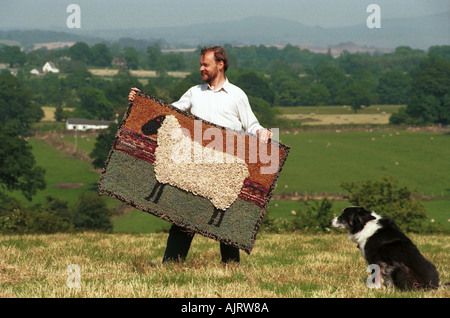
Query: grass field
x=129 y=265
x=338 y=115
x=137 y=73
x=320 y=161
x=66 y=176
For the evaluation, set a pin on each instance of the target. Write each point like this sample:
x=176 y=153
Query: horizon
x=119 y=14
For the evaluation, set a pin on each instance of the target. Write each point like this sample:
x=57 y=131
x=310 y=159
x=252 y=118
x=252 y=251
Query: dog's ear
x=351 y=219
x=362 y=217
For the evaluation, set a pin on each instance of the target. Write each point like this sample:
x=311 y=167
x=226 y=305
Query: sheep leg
x=214 y=215
x=157 y=186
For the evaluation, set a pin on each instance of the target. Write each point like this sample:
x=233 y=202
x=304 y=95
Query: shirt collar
x=224 y=87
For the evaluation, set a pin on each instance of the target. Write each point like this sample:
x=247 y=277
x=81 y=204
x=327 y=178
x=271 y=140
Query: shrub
x=91 y=213
x=387 y=198
x=16 y=218
x=315 y=216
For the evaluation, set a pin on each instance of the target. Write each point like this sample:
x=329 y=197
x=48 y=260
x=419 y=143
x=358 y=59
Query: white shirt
x=228 y=106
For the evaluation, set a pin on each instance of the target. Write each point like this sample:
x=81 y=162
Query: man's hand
x=132 y=94
x=264 y=135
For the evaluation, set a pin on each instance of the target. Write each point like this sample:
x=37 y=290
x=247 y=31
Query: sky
x=117 y=14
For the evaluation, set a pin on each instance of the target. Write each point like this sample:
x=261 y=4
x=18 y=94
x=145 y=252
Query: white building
x=86 y=124
x=50 y=67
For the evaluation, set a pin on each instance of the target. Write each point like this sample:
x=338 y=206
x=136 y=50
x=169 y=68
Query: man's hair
x=219 y=53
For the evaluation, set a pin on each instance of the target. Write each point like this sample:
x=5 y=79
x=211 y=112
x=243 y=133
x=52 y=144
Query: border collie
x=381 y=242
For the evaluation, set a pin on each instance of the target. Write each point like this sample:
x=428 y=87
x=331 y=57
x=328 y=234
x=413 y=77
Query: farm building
x=48 y=67
x=86 y=124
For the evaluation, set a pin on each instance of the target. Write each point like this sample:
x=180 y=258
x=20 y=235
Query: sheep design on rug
x=186 y=171
x=216 y=176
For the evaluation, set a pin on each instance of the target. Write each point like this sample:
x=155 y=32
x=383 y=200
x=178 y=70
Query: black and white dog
x=381 y=242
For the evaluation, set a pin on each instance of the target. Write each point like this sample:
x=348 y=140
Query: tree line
x=271 y=76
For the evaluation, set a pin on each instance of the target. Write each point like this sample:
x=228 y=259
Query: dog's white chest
x=361 y=237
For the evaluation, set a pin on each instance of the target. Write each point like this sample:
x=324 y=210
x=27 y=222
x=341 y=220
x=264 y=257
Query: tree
x=440 y=51
x=18 y=170
x=12 y=55
x=154 y=55
x=334 y=80
x=318 y=95
x=181 y=87
x=173 y=61
x=354 y=95
x=290 y=92
x=101 y=55
x=17 y=108
x=116 y=91
x=394 y=88
x=256 y=85
x=103 y=146
x=431 y=86
x=265 y=113
x=423 y=109
x=94 y=104
x=400 y=117
x=132 y=57
x=80 y=51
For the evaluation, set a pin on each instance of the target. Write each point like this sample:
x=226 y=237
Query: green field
x=319 y=161
x=66 y=176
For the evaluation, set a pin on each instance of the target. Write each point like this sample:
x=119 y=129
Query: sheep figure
x=217 y=176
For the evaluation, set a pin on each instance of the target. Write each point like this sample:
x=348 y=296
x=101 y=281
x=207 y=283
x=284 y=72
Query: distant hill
x=28 y=38
x=421 y=33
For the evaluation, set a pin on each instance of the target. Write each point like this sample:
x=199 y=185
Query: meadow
x=294 y=265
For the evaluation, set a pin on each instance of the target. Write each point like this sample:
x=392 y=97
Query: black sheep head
x=151 y=127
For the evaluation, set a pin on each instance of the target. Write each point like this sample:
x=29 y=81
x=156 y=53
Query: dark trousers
x=180 y=240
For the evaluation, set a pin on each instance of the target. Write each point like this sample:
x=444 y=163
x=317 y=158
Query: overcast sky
x=112 y=14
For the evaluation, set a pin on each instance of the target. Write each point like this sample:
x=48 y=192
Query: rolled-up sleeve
x=184 y=103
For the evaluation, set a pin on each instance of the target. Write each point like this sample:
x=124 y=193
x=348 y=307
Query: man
x=222 y=103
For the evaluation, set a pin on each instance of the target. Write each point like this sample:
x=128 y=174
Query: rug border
x=268 y=197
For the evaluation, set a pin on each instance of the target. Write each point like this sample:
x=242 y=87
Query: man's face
x=209 y=68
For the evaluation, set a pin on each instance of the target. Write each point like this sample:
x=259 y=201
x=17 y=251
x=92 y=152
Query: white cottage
x=86 y=124
x=50 y=67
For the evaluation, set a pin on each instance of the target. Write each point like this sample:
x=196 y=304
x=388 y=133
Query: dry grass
x=49 y=113
x=137 y=73
x=344 y=119
x=125 y=265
